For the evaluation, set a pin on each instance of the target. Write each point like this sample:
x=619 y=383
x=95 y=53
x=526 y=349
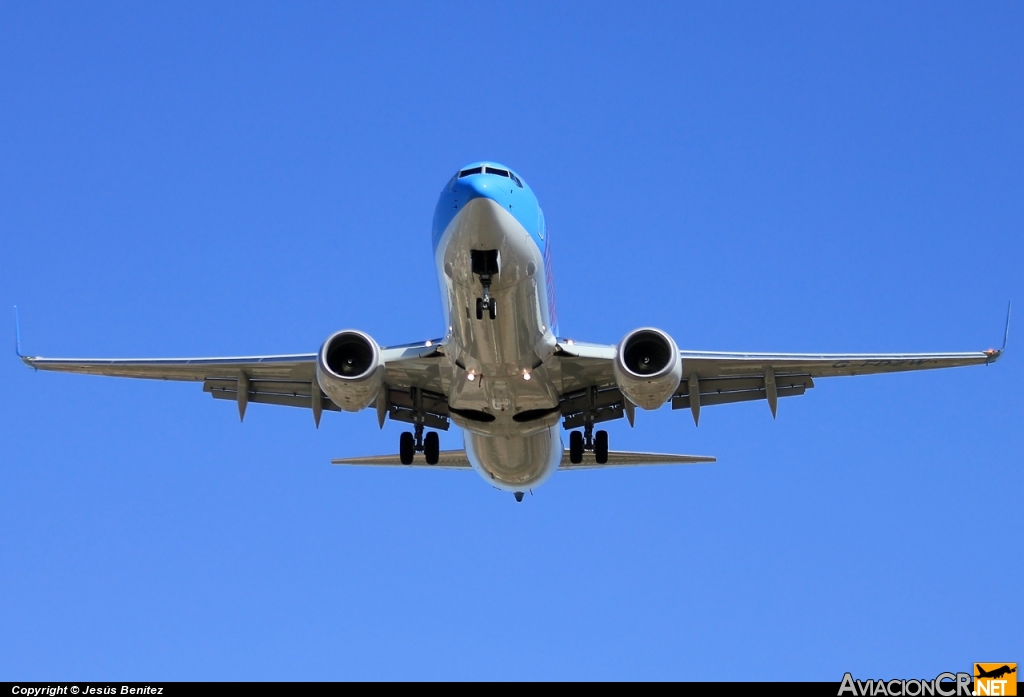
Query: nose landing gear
x=485 y=265
x=486 y=303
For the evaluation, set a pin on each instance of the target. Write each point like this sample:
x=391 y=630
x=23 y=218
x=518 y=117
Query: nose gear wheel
x=486 y=303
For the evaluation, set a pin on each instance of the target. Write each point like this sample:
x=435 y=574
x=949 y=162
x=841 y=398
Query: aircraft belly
x=516 y=463
x=520 y=336
x=500 y=379
x=503 y=393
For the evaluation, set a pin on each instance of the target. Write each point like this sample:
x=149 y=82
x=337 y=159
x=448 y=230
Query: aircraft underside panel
x=515 y=463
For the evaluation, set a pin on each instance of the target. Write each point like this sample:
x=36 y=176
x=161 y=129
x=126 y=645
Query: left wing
x=287 y=380
x=712 y=377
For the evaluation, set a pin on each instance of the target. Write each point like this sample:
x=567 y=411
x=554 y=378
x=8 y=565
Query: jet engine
x=348 y=369
x=648 y=367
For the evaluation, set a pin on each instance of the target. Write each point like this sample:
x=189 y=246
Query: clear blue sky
x=247 y=178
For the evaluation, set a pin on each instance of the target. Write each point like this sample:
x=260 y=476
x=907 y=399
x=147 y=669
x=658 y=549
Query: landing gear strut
x=588 y=440
x=409 y=444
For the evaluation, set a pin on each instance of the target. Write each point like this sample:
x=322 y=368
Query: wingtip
x=30 y=361
x=1006 y=331
x=17 y=334
x=995 y=354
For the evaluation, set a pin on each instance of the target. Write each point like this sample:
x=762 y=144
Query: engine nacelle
x=648 y=367
x=348 y=369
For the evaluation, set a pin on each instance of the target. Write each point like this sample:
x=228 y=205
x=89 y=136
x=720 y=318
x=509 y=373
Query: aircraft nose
x=477 y=186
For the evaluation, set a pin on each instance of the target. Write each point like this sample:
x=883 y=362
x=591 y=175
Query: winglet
x=994 y=354
x=17 y=339
x=1006 y=332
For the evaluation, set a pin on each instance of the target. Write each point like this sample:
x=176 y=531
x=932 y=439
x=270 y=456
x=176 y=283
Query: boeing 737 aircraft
x=501 y=372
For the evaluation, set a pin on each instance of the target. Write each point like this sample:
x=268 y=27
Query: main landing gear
x=588 y=440
x=409 y=445
x=485 y=265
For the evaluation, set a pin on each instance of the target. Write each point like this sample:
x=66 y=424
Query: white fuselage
x=503 y=391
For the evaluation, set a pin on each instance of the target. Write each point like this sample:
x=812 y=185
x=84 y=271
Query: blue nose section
x=481 y=186
x=504 y=188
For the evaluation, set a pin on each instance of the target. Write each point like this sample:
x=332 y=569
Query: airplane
x=502 y=372
x=996 y=673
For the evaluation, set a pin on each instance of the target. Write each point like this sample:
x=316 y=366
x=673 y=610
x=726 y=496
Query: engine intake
x=348 y=369
x=647 y=367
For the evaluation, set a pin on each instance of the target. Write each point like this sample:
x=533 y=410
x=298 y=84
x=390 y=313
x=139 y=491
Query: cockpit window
x=491 y=170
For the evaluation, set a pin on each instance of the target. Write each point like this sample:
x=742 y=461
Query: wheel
x=493 y=308
x=431 y=448
x=406 y=448
x=575 y=447
x=601 y=447
x=479 y=308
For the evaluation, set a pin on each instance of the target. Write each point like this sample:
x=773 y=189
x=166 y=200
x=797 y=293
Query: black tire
x=431 y=448
x=479 y=308
x=493 y=308
x=575 y=447
x=601 y=447
x=406 y=448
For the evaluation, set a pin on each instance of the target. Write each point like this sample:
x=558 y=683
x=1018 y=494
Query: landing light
x=429 y=343
x=471 y=377
x=569 y=342
x=526 y=376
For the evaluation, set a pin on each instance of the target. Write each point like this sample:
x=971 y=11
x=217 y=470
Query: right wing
x=287 y=380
